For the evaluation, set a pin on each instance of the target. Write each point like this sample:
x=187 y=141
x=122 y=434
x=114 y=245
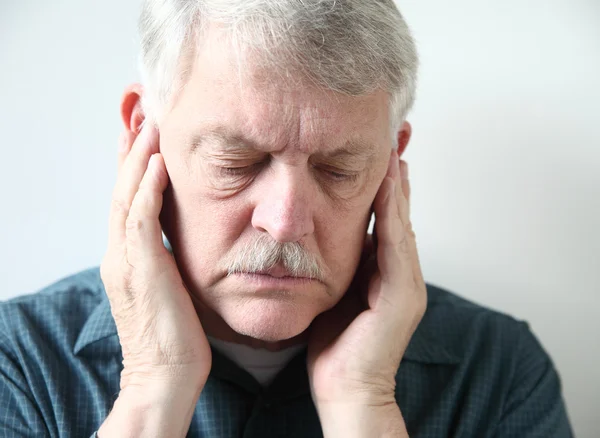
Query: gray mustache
x=263 y=253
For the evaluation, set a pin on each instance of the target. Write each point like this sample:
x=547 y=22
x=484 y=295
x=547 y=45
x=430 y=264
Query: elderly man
x=264 y=137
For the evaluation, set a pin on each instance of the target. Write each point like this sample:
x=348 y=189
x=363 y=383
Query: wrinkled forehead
x=240 y=94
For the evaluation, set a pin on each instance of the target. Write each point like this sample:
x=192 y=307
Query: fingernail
x=403 y=170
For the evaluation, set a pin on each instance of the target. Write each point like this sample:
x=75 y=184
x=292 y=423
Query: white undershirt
x=260 y=363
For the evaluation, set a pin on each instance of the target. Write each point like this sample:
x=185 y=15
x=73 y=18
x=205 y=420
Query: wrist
x=163 y=377
x=154 y=409
x=358 y=420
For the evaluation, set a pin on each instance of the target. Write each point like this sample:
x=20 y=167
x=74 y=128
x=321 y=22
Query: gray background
x=505 y=158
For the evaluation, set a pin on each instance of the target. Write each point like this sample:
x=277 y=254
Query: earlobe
x=132 y=113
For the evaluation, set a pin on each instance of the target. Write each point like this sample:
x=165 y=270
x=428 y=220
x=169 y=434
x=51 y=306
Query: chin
x=269 y=319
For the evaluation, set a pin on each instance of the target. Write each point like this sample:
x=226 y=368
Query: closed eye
x=338 y=176
x=235 y=171
x=239 y=171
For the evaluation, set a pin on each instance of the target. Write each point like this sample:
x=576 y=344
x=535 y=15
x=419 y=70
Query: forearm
x=355 y=421
x=151 y=412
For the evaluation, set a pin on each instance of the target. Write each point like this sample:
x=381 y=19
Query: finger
x=399 y=173
x=405 y=182
x=372 y=243
x=126 y=140
x=128 y=181
x=417 y=271
x=392 y=252
x=403 y=200
x=143 y=229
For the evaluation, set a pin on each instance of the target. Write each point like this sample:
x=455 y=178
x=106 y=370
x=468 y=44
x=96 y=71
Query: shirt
x=468 y=371
x=264 y=365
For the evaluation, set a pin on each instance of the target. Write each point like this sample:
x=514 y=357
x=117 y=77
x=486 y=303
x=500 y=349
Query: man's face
x=247 y=160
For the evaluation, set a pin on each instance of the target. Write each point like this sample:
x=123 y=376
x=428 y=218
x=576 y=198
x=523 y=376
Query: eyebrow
x=224 y=138
x=229 y=141
x=354 y=148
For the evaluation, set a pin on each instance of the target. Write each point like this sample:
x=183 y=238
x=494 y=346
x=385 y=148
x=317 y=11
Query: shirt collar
x=99 y=326
x=424 y=347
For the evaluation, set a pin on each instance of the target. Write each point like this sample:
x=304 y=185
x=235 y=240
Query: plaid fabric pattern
x=468 y=372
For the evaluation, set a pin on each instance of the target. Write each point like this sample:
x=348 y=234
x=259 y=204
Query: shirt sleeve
x=535 y=405
x=19 y=413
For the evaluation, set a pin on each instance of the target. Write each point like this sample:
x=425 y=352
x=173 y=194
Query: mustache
x=263 y=253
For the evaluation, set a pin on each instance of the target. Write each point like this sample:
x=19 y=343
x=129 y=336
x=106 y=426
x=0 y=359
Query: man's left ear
x=404 y=137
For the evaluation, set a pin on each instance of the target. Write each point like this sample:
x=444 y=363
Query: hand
x=165 y=351
x=355 y=349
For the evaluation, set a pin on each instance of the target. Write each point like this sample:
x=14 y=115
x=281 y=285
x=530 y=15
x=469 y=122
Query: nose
x=284 y=206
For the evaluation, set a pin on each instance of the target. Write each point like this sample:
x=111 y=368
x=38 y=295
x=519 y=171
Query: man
x=265 y=135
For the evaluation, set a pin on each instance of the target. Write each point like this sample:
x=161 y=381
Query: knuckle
x=403 y=243
x=134 y=224
x=408 y=229
x=144 y=201
x=119 y=206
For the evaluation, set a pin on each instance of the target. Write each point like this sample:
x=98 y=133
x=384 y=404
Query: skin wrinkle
x=290 y=199
x=226 y=141
x=219 y=147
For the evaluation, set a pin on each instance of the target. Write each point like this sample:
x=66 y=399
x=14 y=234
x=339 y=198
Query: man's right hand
x=166 y=355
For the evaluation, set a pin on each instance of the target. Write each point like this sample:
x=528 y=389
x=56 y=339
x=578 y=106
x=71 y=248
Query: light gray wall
x=505 y=158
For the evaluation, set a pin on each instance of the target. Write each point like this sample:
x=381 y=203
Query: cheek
x=207 y=224
x=203 y=229
x=340 y=236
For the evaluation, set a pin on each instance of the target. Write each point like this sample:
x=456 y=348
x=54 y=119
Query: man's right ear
x=132 y=112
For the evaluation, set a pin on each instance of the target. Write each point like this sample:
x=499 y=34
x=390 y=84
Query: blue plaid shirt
x=468 y=372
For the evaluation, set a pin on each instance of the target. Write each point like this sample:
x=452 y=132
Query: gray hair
x=354 y=47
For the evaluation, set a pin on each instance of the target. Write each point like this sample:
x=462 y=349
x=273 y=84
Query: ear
x=132 y=112
x=404 y=137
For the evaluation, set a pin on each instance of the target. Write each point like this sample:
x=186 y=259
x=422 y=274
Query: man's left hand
x=355 y=348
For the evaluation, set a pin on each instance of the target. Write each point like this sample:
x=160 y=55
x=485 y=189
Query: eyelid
x=344 y=176
x=339 y=174
x=228 y=157
x=233 y=170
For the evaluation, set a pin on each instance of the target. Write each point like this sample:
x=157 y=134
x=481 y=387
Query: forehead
x=249 y=100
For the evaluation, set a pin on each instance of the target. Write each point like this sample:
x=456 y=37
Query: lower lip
x=275 y=282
